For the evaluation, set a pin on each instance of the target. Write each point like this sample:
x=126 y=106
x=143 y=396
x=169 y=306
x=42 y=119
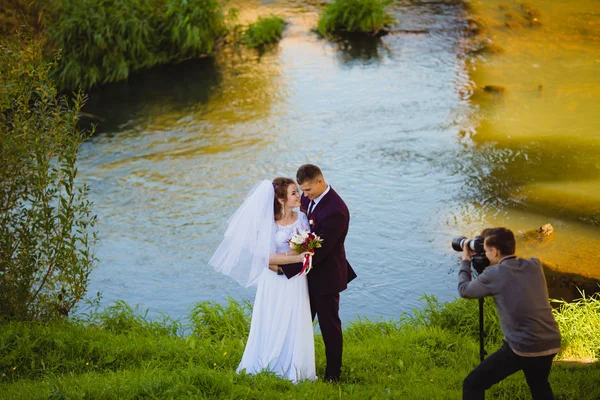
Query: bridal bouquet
x=302 y=242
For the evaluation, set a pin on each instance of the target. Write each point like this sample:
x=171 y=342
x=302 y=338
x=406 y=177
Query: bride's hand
x=303 y=255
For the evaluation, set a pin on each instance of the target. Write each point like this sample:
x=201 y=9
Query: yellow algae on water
x=550 y=74
x=579 y=198
x=538 y=103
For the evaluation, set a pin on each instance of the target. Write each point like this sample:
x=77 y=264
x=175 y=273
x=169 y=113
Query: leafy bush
x=191 y=27
x=355 y=16
x=45 y=217
x=264 y=31
x=20 y=15
x=105 y=40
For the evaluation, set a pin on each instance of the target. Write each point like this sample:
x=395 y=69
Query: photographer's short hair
x=501 y=238
x=308 y=172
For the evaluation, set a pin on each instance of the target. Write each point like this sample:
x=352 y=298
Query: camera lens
x=458 y=242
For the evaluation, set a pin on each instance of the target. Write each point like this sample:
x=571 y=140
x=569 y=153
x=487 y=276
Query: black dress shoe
x=331 y=379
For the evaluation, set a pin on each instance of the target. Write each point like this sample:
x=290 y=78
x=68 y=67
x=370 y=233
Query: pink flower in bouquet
x=302 y=242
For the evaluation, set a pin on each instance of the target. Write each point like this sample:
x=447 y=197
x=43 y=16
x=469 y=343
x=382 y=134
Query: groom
x=329 y=218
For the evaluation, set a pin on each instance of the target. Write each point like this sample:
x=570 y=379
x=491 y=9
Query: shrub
x=355 y=16
x=45 y=217
x=105 y=40
x=264 y=31
x=19 y=15
x=192 y=26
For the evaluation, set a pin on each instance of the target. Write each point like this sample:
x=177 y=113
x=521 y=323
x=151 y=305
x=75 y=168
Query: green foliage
x=264 y=31
x=193 y=27
x=125 y=357
x=355 y=16
x=45 y=217
x=22 y=15
x=579 y=323
x=105 y=40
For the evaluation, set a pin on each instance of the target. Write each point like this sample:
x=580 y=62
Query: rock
x=512 y=24
x=486 y=45
x=494 y=89
x=530 y=12
x=546 y=230
x=474 y=27
x=537 y=236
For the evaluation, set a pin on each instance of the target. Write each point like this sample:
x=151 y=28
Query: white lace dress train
x=281 y=332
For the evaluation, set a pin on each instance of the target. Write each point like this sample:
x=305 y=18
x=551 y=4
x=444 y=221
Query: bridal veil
x=244 y=252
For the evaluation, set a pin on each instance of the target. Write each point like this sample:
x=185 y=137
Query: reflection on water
x=178 y=147
x=361 y=51
x=150 y=95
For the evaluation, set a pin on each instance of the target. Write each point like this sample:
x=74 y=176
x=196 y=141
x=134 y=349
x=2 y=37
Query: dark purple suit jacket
x=331 y=271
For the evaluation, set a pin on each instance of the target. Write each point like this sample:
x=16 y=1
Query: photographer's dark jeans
x=503 y=363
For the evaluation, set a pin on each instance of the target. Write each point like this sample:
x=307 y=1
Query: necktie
x=310 y=207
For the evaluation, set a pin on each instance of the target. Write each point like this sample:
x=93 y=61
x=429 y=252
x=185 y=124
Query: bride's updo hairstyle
x=281 y=187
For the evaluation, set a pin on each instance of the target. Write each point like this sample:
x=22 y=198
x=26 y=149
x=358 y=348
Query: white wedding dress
x=281 y=332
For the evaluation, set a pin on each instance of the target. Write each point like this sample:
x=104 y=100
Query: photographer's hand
x=467 y=253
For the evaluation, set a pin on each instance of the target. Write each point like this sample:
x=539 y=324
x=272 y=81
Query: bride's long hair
x=281 y=187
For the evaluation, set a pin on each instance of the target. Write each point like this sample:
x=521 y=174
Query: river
x=391 y=122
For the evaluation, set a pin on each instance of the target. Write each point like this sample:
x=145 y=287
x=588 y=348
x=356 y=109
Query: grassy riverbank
x=118 y=354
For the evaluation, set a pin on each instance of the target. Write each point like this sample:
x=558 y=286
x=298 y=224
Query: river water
x=390 y=121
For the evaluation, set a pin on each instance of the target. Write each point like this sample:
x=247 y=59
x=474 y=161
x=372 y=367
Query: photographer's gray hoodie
x=519 y=289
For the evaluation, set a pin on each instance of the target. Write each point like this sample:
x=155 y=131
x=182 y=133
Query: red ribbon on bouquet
x=307 y=265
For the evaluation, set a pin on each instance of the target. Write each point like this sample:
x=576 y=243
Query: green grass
x=355 y=16
x=579 y=323
x=264 y=31
x=121 y=354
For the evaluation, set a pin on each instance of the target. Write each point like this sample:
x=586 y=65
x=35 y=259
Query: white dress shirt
x=318 y=199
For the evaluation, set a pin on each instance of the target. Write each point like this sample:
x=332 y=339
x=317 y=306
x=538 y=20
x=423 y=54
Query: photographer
x=531 y=335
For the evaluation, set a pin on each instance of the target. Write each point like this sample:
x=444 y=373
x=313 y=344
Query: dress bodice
x=284 y=233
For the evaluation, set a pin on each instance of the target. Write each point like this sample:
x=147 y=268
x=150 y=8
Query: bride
x=255 y=244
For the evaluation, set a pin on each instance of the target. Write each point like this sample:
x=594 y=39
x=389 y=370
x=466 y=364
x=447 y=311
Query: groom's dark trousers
x=330 y=274
x=326 y=307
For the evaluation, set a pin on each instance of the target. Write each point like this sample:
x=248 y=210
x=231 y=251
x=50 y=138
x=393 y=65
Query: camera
x=479 y=260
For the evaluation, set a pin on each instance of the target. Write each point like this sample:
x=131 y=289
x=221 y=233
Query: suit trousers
x=326 y=309
x=503 y=363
